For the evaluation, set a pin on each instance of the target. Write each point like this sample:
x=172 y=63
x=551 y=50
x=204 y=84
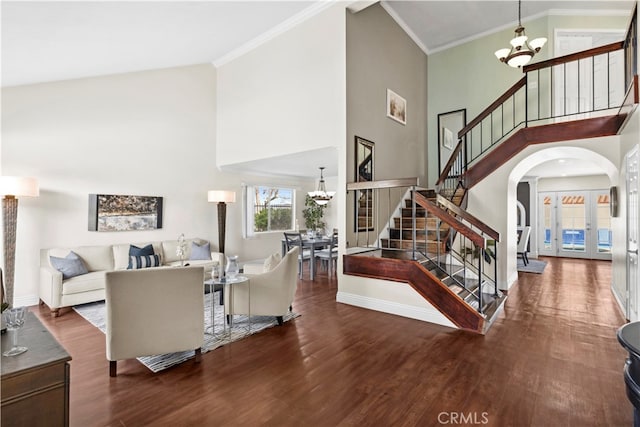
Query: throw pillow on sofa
x=70 y=266
x=136 y=251
x=200 y=252
x=144 y=261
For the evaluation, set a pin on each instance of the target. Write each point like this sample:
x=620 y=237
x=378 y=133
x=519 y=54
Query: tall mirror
x=364 y=172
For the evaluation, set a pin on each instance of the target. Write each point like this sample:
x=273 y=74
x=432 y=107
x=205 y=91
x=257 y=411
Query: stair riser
x=431 y=247
x=407 y=234
x=430 y=223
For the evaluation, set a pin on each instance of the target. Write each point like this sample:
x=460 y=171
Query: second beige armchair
x=271 y=293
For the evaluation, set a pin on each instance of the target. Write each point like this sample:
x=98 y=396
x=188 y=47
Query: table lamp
x=12 y=187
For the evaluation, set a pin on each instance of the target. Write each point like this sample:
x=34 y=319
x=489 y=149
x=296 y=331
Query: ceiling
x=53 y=40
x=565 y=168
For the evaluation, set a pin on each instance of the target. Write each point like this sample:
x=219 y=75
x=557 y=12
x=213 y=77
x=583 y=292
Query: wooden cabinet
x=35 y=384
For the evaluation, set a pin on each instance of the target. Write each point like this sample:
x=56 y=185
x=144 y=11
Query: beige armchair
x=153 y=311
x=272 y=292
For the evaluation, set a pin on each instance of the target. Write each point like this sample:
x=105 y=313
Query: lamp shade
x=19 y=186
x=221 y=196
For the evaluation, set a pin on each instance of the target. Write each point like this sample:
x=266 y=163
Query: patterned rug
x=534 y=266
x=94 y=313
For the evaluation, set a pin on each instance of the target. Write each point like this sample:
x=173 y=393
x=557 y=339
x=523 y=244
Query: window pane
x=272 y=209
x=573 y=223
x=603 y=222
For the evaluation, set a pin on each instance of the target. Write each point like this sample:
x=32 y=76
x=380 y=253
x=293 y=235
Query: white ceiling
x=54 y=40
x=566 y=168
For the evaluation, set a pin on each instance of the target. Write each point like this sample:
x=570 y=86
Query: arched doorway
x=599 y=162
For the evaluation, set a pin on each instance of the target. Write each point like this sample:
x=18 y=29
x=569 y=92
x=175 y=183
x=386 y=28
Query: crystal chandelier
x=521 y=50
x=321 y=196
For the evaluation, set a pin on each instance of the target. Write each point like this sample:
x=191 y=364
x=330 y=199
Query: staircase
x=447 y=255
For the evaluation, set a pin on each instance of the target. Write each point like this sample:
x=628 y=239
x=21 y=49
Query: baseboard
x=25 y=301
x=425 y=314
x=622 y=306
x=510 y=282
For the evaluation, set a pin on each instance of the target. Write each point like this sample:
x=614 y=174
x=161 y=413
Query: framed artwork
x=396 y=107
x=449 y=124
x=364 y=199
x=109 y=212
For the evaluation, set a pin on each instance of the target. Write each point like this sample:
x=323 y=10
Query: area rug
x=534 y=266
x=94 y=313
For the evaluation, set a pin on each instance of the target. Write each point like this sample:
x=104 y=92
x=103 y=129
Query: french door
x=575 y=224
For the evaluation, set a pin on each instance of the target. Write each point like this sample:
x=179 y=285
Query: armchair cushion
x=271 y=262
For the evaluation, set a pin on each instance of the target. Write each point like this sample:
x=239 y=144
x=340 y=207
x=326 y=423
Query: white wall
x=287 y=95
x=148 y=133
x=577 y=183
x=380 y=56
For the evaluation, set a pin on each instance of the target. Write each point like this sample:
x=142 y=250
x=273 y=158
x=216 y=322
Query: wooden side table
x=35 y=385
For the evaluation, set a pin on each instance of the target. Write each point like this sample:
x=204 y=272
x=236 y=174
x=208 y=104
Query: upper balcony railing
x=581 y=85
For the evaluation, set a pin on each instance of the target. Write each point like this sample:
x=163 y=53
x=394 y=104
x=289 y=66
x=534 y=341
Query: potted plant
x=313 y=214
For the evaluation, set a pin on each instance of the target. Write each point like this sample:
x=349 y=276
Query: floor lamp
x=11 y=188
x=222 y=198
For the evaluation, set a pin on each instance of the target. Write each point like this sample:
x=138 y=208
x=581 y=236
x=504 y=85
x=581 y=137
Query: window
x=269 y=209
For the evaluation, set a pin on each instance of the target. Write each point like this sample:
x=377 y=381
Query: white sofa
x=58 y=293
x=148 y=314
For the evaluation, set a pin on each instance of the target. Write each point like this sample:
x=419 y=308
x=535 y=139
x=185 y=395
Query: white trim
x=25 y=301
x=387 y=7
x=426 y=314
x=282 y=28
x=514 y=24
x=619 y=301
x=510 y=282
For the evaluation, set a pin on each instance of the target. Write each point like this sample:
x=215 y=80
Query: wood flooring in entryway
x=551 y=359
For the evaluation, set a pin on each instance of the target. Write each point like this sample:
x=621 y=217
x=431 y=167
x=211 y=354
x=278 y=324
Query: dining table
x=312 y=244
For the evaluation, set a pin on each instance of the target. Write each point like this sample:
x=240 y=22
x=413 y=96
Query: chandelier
x=521 y=50
x=321 y=196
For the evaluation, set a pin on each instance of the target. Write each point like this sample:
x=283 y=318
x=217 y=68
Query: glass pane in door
x=573 y=223
x=547 y=223
x=603 y=224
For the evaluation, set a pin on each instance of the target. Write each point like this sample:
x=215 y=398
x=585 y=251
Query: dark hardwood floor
x=551 y=359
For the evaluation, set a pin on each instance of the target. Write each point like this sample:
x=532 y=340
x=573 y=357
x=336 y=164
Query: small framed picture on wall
x=396 y=107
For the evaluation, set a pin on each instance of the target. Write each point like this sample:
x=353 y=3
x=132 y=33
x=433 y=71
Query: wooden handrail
x=468 y=217
x=386 y=183
x=513 y=89
x=574 y=56
x=453 y=222
x=449 y=164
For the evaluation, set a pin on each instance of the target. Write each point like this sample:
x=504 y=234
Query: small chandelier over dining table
x=321 y=196
x=521 y=50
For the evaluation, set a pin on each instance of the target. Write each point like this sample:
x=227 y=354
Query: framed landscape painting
x=109 y=212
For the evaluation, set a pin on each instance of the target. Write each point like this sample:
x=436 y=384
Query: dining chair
x=294 y=240
x=521 y=251
x=329 y=256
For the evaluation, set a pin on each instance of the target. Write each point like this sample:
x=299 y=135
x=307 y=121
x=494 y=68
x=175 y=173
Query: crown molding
x=387 y=7
x=514 y=23
x=282 y=28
